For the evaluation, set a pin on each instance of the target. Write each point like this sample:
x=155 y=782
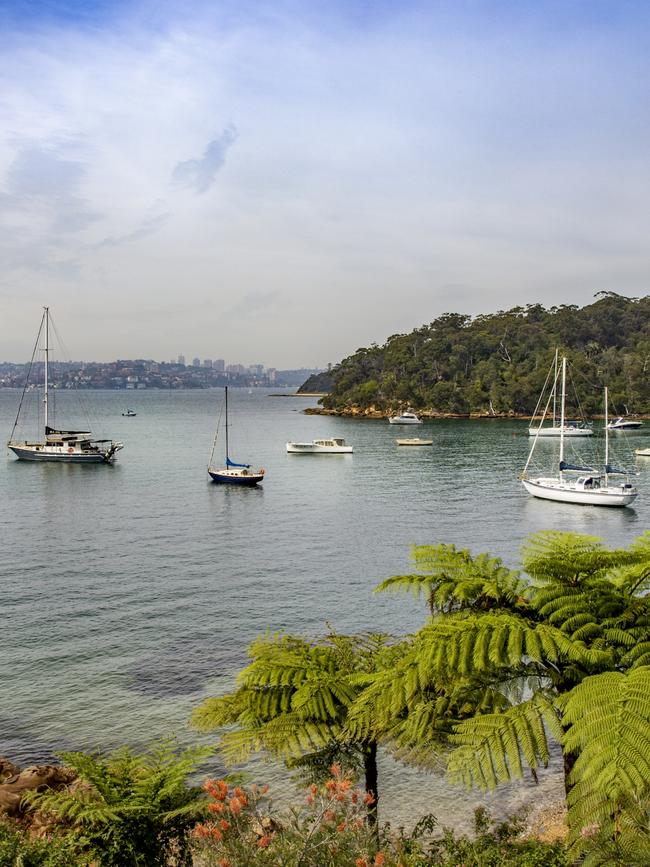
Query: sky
x=283 y=182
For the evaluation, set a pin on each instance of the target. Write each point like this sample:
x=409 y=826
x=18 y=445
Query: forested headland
x=496 y=364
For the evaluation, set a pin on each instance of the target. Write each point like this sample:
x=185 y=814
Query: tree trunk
x=569 y=760
x=370 y=771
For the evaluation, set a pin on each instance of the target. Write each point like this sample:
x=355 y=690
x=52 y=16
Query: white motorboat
x=232 y=473
x=624 y=424
x=590 y=487
x=60 y=446
x=405 y=418
x=642 y=453
x=567 y=429
x=327 y=446
x=414 y=441
x=129 y=414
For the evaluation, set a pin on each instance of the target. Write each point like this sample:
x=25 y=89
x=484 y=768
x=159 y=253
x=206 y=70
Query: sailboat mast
x=555 y=390
x=606 y=437
x=46 y=316
x=226 y=389
x=562 y=414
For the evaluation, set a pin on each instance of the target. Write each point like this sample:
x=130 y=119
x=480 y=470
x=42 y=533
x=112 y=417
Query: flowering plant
x=329 y=830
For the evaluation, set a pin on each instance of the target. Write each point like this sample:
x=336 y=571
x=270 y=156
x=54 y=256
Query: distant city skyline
x=292 y=181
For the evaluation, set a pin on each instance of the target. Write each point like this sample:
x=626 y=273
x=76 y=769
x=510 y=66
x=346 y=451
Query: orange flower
x=330 y=785
x=361 y=862
x=341 y=827
x=329 y=815
x=264 y=789
x=310 y=799
x=336 y=770
x=241 y=795
x=313 y=789
x=216 y=834
x=216 y=788
x=224 y=824
x=235 y=806
x=264 y=841
x=223 y=862
x=369 y=798
x=216 y=807
x=380 y=859
x=340 y=797
x=345 y=784
x=355 y=797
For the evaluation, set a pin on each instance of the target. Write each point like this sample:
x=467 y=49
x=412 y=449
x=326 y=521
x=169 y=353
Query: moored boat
x=567 y=429
x=590 y=487
x=414 y=441
x=325 y=446
x=59 y=446
x=624 y=424
x=232 y=473
x=405 y=418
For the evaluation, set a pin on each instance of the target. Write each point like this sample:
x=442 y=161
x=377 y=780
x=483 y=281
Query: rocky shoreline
x=430 y=415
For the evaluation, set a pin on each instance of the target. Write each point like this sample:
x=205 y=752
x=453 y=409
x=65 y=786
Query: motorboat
x=405 y=418
x=129 y=414
x=624 y=424
x=642 y=453
x=414 y=441
x=590 y=487
x=568 y=428
x=232 y=473
x=326 y=446
x=60 y=446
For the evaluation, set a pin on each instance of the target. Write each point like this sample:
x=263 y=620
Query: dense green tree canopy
x=497 y=363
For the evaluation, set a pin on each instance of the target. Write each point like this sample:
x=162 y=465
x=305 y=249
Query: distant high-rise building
x=181 y=360
x=256 y=369
x=207 y=362
x=236 y=368
x=272 y=374
x=196 y=362
x=219 y=364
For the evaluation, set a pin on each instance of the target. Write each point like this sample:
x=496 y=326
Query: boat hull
x=565 y=492
x=569 y=432
x=228 y=477
x=399 y=420
x=28 y=454
x=310 y=449
x=414 y=441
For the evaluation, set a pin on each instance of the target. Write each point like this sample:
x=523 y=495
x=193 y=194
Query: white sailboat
x=589 y=488
x=567 y=429
x=62 y=446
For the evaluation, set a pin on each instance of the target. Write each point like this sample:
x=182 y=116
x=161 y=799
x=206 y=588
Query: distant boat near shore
x=405 y=418
x=414 y=441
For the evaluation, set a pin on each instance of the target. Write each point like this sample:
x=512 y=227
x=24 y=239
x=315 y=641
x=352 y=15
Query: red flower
x=235 y=806
x=264 y=841
x=361 y=862
x=224 y=824
x=223 y=862
x=216 y=807
x=341 y=827
x=380 y=859
x=369 y=798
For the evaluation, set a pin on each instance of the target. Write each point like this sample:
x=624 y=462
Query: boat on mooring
x=591 y=487
x=622 y=423
x=567 y=429
x=414 y=441
x=407 y=417
x=61 y=446
x=232 y=473
x=129 y=414
x=325 y=446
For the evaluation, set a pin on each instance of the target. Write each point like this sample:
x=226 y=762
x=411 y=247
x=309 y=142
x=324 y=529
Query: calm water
x=130 y=592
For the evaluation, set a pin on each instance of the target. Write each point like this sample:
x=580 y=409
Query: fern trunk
x=370 y=773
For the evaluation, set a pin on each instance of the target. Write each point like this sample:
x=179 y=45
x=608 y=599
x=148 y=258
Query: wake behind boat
x=590 y=488
x=232 y=473
x=61 y=446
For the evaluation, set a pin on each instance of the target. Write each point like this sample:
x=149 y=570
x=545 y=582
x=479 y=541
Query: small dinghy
x=414 y=441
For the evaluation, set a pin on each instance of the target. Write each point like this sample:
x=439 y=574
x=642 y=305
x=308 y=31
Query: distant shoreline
x=357 y=413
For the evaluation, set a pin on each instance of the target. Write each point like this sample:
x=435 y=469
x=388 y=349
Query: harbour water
x=130 y=593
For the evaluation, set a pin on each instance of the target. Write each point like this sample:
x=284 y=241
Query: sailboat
x=567 y=429
x=590 y=488
x=232 y=473
x=62 y=446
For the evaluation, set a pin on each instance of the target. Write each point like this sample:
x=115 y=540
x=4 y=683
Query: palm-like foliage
x=130 y=809
x=505 y=664
x=293 y=700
